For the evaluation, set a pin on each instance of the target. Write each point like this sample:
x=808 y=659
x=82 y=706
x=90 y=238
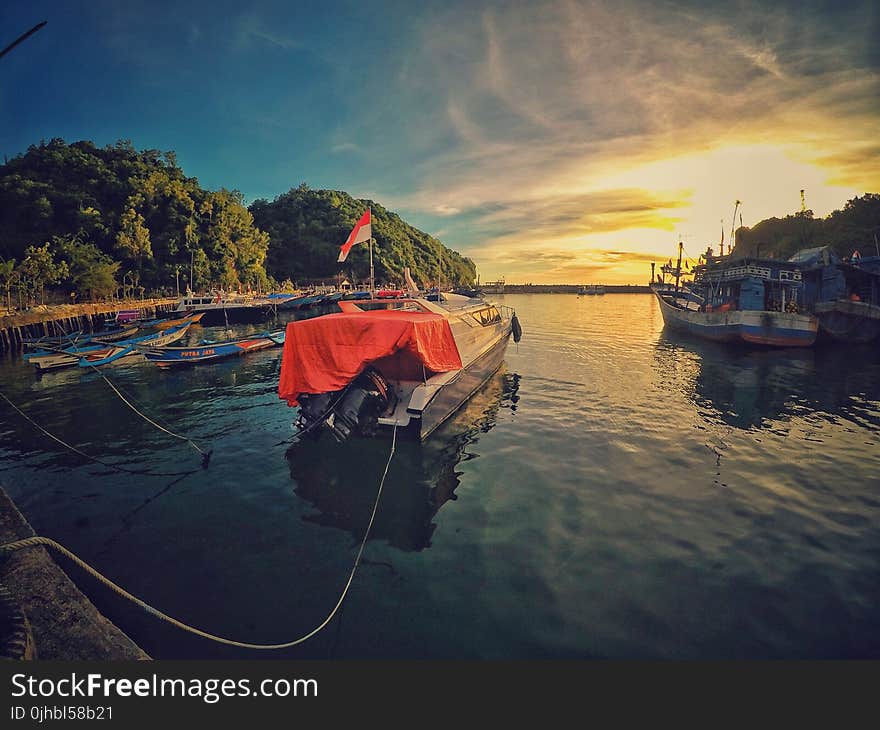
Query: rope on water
x=48 y=542
x=206 y=455
x=75 y=450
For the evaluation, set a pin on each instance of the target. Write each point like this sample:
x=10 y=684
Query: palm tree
x=8 y=275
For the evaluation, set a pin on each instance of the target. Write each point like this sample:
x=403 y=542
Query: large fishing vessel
x=844 y=294
x=746 y=300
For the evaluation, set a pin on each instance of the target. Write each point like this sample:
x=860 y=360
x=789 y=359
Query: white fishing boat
x=224 y=307
x=408 y=363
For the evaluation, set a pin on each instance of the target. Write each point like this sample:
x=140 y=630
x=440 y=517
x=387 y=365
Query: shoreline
x=51 y=319
x=565 y=289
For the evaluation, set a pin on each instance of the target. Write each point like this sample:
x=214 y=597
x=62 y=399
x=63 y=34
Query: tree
x=40 y=268
x=90 y=271
x=8 y=277
x=133 y=238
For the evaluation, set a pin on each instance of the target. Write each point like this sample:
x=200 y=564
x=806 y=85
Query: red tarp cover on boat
x=325 y=353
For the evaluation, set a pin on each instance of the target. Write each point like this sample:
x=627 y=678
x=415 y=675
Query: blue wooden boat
x=80 y=338
x=207 y=351
x=299 y=302
x=103 y=353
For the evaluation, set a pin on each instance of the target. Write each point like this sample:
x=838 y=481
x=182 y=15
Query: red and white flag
x=362 y=231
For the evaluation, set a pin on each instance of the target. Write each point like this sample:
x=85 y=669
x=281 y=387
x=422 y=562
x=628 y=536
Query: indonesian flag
x=361 y=232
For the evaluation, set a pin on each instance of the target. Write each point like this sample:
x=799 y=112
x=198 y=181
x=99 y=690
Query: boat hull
x=97 y=355
x=233 y=314
x=848 y=321
x=456 y=393
x=176 y=356
x=770 y=329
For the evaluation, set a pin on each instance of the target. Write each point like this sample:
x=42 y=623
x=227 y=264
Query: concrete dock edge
x=64 y=623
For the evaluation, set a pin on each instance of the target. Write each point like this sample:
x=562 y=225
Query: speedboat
x=393 y=363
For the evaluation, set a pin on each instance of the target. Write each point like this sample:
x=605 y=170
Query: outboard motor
x=354 y=409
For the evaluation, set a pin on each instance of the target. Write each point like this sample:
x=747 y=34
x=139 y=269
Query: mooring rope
x=82 y=453
x=206 y=455
x=48 y=542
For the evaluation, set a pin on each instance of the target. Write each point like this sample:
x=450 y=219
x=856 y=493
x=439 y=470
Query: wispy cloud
x=342 y=147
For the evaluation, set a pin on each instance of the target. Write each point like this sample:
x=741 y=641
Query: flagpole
x=372 y=282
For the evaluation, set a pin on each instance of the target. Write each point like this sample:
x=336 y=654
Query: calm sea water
x=616 y=491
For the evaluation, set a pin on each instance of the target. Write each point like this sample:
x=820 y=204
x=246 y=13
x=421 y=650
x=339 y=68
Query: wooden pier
x=58 y=319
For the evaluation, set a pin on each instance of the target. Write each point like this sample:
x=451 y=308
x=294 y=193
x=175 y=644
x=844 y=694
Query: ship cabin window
x=487 y=316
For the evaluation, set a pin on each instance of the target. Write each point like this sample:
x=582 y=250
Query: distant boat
x=591 y=290
x=474 y=292
x=222 y=308
x=750 y=301
x=300 y=302
x=207 y=351
x=332 y=297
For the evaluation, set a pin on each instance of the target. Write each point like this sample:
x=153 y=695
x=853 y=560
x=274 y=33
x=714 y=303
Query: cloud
x=552 y=106
x=251 y=30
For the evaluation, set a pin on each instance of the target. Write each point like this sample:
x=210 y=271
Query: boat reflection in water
x=340 y=479
x=753 y=388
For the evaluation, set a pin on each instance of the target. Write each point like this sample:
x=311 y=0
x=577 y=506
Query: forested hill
x=853 y=228
x=91 y=221
x=306 y=228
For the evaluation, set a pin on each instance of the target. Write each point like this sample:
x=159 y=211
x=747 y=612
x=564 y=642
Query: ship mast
x=732 y=228
x=678 y=265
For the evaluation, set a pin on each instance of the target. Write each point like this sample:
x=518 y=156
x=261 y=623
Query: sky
x=553 y=141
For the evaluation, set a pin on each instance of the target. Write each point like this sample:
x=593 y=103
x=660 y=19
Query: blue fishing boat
x=300 y=302
x=207 y=351
x=80 y=338
x=330 y=297
x=843 y=294
x=102 y=353
x=745 y=300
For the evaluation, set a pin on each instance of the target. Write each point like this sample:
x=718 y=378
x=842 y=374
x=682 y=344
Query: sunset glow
x=552 y=142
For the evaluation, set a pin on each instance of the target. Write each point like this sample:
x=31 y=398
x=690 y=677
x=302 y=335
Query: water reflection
x=340 y=480
x=752 y=388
